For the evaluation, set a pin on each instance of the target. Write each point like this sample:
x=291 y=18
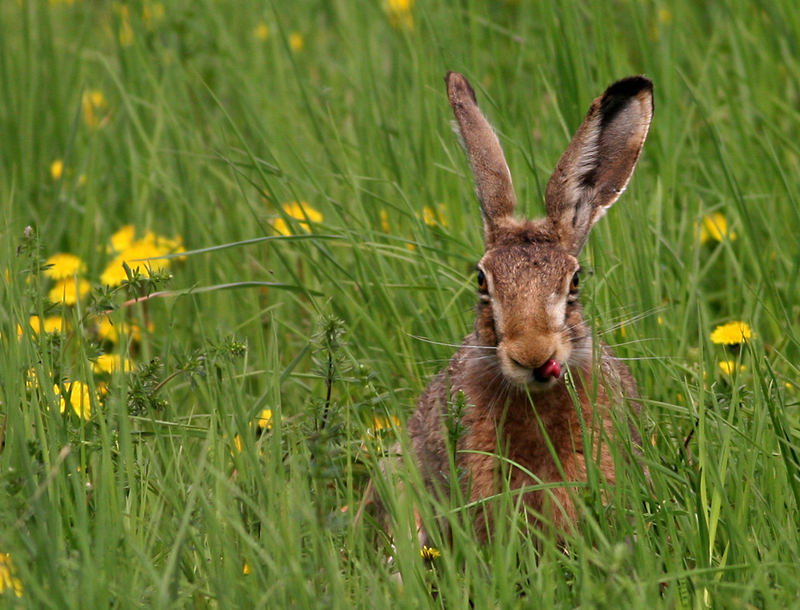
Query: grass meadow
x=201 y=430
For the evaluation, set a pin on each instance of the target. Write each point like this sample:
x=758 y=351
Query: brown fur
x=530 y=317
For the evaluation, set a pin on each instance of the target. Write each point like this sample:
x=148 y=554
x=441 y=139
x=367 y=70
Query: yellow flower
x=123 y=238
x=52 y=324
x=715 y=227
x=64 y=266
x=429 y=553
x=382 y=427
x=173 y=245
x=152 y=12
x=69 y=291
x=399 y=12
x=107 y=331
x=79 y=397
x=296 y=41
x=262 y=31
x=57 y=169
x=300 y=211
x=108 y=363
x=246 y=568
x=729 y=366
x=732 y=333
x=8 y=579
x=386 y=423
x=31 y=379
x=93 y=104
x=433 y=217
x=264 y=420
x=140 y=254
x=385 y=221
x=664 y=16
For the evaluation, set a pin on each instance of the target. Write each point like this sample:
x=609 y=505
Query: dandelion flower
x=715 y=227
x=79 y=398
x=108 y=331
x=152 y=12
x=433 y=217
x=296 y=41
x=262 y=31
x=123 y=238
x=142 y=253
x=374 y=435
x=246 y=568
x=51 y=324
x=732 y=333
x=63 y=265
x=69 y=291
x=108 y=363
x=264 y=419
x=429 y=216
x=300 y=211
x=429 y=553
x=57 y=169
x=729 y=367
x=93 y=104
x=8 y=578
x=399 y=12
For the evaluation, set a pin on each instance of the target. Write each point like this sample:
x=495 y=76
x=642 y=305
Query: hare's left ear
x=599 y=162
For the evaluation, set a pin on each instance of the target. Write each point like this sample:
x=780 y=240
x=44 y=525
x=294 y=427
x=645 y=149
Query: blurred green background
x=212 y=445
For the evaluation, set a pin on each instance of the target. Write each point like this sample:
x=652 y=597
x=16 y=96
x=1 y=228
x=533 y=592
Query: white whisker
x=634 y=341
x=445 y=344
x=630 y=358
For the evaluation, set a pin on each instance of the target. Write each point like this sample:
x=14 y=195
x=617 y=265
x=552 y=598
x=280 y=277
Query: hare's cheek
x=557 y=311
x=486 y=324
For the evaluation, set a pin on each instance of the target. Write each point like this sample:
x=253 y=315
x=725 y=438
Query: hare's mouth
x=538 y=378
x=549 y=370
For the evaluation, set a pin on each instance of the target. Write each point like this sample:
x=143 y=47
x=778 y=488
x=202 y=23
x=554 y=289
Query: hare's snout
x=537 y=373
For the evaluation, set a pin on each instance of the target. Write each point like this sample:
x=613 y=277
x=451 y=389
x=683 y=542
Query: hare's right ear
x=492 y=177
x=596 y=167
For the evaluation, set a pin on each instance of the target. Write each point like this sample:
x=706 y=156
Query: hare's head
x=529 y=275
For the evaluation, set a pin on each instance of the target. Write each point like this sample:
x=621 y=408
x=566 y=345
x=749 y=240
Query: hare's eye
x=573 y=285
x=483 y=287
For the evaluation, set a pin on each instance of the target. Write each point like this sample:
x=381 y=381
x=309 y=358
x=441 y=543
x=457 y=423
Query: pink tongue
x=551 y=368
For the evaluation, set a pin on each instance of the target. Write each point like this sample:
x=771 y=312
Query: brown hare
x=532 y=382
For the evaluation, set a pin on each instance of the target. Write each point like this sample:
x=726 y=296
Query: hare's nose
x=550 y=369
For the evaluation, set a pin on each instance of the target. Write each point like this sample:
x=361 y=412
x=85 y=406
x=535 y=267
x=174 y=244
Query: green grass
x=208 y=130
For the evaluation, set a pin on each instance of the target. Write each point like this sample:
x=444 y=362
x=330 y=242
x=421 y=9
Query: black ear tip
x=630 y=86
x=622 y=93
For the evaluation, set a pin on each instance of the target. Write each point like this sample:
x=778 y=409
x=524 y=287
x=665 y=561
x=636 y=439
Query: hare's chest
x=522 y=451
